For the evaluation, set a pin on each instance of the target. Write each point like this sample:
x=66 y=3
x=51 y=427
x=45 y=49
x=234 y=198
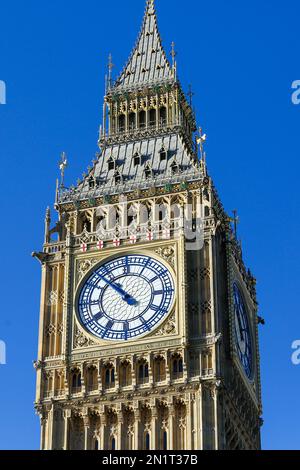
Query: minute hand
x=130 y=300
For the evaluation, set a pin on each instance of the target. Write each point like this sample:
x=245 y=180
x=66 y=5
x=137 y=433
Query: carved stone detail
x=168 y=254
x=81 y=340
x=84 y=266
x=168 y=328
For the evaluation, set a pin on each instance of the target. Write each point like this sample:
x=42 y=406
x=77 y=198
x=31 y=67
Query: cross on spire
x=190 y=95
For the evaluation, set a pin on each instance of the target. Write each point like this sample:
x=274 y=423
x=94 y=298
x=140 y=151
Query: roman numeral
x=110 y=324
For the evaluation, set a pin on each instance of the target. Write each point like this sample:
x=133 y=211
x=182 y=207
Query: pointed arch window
x=143 y=373
x=165 y=440
x=152 y=117
x=163 y=116
x=113 y=444
x=177 y=367
x=163 y=154
x=142 y=119
x=122 y=121
x=148 y=172
x=174 y=168
x=117 y=177
x=111 y=164
x=132 y=121
x=76 y=381
x=92 y=182
x=109 y=377
x=147 y=441
x=137 y=160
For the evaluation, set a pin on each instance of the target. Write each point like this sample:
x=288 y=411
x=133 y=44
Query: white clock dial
x=126 y=297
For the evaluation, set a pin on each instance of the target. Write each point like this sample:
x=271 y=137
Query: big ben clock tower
x=148 y=334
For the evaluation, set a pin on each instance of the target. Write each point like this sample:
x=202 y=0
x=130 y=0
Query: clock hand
x=125 y=296
x=240 y=327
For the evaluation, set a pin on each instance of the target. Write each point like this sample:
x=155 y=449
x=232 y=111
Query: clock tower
x=148 y=335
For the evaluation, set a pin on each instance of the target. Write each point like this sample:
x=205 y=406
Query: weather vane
x=62 y=166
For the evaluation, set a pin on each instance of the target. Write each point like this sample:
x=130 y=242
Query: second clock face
x=125 y=298
x=242 y=331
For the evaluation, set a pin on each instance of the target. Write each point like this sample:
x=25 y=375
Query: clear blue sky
x=241 y=58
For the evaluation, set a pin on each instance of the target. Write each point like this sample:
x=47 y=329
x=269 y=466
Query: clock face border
x=250 y=377
x=80 y=286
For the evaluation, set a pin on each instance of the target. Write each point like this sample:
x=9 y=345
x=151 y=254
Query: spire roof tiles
x=148 y=62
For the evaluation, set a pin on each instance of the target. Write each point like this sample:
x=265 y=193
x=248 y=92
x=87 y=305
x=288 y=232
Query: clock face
x=242 y=332
x=126 y=297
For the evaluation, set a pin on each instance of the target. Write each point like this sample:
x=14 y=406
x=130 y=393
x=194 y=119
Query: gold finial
x=62 y=166
x=201 y=141
x=190 y=95
x=110 y=69
x=173 y=55
x=235 y=220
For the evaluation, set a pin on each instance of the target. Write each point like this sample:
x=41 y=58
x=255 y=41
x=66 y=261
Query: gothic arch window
x=177 y=367
x=159 y=369
x=48 y=385
x=174 y=168
x=147 y=441
x=148 y=172
x=143 y=372
x=180 y=434
x=111 y=164
x=109 y=376
x=132 y=121
x=59 y=383
x=163 y=154
x=152 y=117
x=137 y=160
x=113 y=443
x=96 y=444
x=76 y=381
x=163 y=116
x=125 y=374
x=91 y=182
x=85 y=223
x=122 y=121
x=117 y=177
x=207 y=362
x=165 y=440
x=92 y=379
x=142 y=119
x=207 y=211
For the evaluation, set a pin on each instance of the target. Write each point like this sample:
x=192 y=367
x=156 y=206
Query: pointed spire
x=148 y=62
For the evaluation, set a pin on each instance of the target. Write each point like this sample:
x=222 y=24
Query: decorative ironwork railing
x=108 y=189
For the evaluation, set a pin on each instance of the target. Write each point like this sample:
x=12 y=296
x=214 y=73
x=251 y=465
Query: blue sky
x=241 y=58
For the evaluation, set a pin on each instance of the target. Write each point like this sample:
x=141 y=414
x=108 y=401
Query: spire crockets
x=148 y=62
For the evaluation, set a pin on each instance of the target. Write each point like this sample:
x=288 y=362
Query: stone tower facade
x=148 y=334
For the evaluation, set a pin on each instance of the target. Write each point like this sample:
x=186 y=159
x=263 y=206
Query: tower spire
x=148 y=62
